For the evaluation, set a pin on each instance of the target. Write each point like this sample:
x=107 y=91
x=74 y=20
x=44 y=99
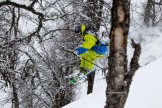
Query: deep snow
x=146 y=88
x=145 y=91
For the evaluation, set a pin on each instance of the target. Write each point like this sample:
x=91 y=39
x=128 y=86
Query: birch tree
x=152 y=12
x=118 y=77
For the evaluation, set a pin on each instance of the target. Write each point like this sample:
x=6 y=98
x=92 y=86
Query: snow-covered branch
x=31 y=9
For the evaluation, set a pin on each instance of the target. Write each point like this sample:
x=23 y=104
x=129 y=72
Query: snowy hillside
x=39 y=63
x=145 y=91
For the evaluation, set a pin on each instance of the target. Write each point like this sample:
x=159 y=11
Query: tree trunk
x=150 y=14
x=94 y=12
x=116 y=88
x=90 y=82
x=15 y=96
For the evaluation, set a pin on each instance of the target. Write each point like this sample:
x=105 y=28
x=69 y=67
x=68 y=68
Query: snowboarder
x=91 y=49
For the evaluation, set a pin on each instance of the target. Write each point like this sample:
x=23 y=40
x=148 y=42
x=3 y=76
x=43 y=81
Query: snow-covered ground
x=146 y=88
x=145 y=91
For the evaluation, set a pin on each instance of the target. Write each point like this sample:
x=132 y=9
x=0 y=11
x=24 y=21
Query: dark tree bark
x=90 y=82
x=116 y=88
x=15 y=100
x=134 y=63
x=149 y=15
x=118 y=78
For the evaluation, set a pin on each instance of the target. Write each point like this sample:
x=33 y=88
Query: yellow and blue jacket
x=90 y=42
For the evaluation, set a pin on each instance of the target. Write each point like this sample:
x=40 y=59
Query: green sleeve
x=89 y=41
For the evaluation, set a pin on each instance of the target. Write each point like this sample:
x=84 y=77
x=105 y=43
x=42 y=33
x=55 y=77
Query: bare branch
x=28 y=8
x=33 y=3
x=134 y=62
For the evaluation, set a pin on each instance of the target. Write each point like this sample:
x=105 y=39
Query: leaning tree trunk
x=116 y=91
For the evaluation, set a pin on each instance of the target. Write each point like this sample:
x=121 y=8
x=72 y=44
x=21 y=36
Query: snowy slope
x=94 y=100
x=145 y=91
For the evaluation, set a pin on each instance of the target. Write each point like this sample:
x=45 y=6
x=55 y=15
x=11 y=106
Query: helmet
x=77 y=29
